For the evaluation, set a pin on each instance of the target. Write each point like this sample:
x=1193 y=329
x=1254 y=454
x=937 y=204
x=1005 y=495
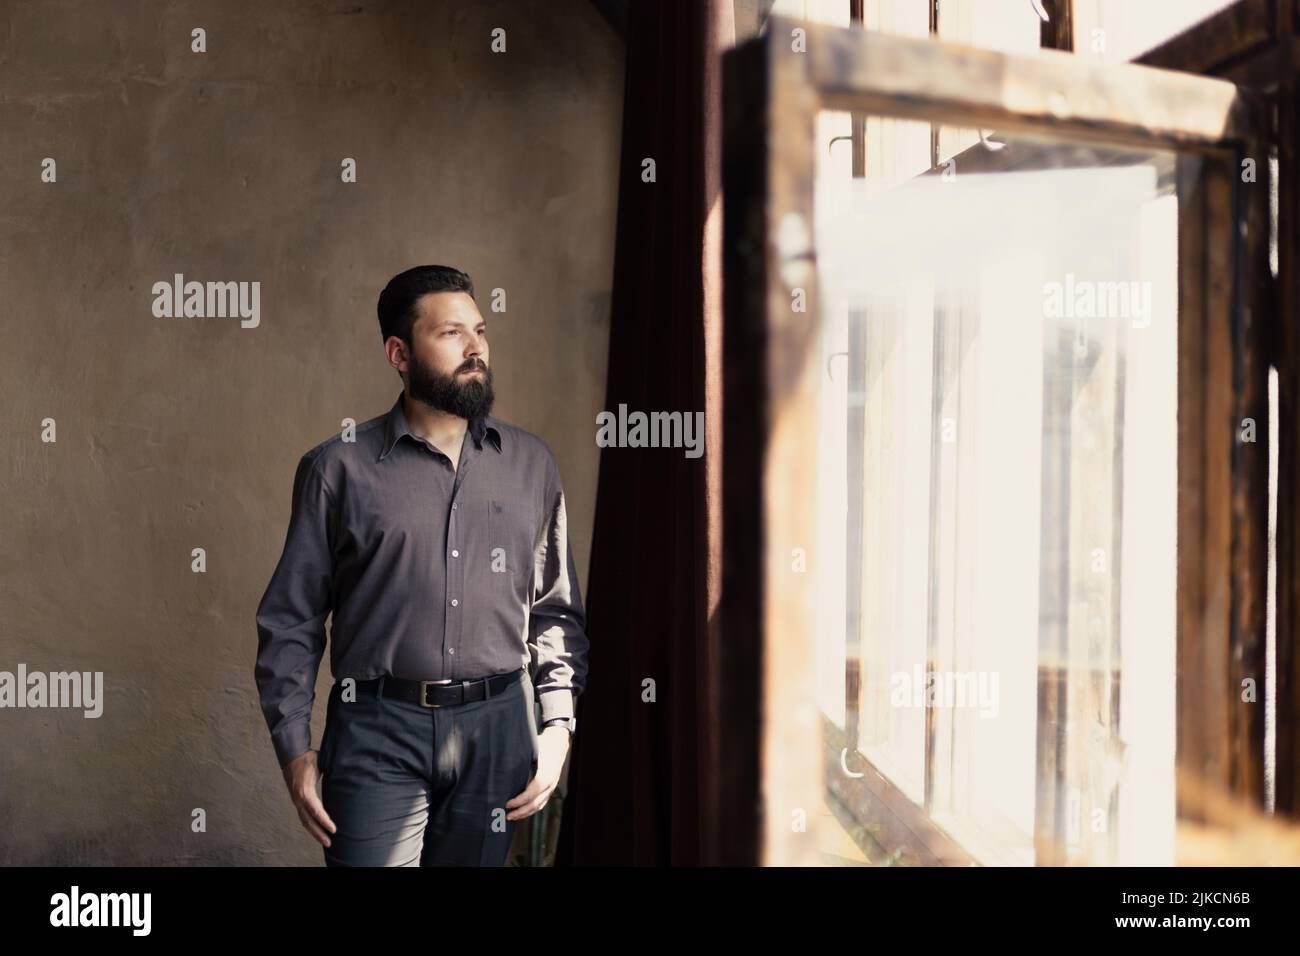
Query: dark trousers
x=415 y=786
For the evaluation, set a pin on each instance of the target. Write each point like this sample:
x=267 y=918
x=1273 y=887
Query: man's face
x=447 y=365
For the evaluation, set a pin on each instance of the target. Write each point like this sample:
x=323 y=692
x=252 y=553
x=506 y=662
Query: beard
x=465 y=396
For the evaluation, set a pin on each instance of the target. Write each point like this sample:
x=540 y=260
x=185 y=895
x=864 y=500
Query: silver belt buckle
x=424 y=685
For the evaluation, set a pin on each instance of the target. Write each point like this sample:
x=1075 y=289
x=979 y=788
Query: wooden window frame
x=771 y=97
x=1256 y=43
x=1055 y=33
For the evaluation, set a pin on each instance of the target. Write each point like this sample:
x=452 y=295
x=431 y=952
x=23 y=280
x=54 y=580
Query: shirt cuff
x=556 y=703
x=292 y=742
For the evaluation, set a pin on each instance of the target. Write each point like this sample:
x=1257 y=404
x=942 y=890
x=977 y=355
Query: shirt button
x=455 y=553
x=453 y=507
x=454 y=602
x=452 y=651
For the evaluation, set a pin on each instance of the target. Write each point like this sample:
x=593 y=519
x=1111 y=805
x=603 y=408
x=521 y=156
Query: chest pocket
x=512 y=527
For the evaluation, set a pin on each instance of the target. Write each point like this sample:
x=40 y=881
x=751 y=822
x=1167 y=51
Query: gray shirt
x=430 y=572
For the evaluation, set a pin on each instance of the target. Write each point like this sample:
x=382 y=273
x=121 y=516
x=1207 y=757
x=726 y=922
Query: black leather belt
x=441 y=693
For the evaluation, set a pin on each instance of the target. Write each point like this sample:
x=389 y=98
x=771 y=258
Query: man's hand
x=554 y=747
x=302 y=776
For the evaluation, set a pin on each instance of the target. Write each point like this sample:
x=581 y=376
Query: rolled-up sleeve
x=557 y=622
x=292 y=613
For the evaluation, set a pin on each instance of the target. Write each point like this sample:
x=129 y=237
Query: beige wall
x=177 y=433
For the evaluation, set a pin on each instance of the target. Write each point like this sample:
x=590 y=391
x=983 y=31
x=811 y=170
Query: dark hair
x=397 y=312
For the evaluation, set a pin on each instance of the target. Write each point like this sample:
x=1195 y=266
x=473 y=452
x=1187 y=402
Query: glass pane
x=991 y=25
x=997 y=486
x=1120 y=30
x=832 y=12
x=903 y=17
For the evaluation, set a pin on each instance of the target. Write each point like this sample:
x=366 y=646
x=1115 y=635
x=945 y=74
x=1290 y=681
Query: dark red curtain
x=641 y=777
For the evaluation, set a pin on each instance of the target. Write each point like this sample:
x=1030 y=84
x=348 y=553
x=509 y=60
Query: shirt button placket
x=453 y=587
x=456 y=581
x=455 y=568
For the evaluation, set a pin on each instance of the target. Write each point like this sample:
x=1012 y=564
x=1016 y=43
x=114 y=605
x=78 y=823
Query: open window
x=995 y=455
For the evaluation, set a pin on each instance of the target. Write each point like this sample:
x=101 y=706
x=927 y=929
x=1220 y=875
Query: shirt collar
x=396 y=425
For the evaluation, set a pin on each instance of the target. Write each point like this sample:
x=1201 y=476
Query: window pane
x=990 y=24
x=997 y=487
x=832 y=12
x=904 y=17
x=1121 y=30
